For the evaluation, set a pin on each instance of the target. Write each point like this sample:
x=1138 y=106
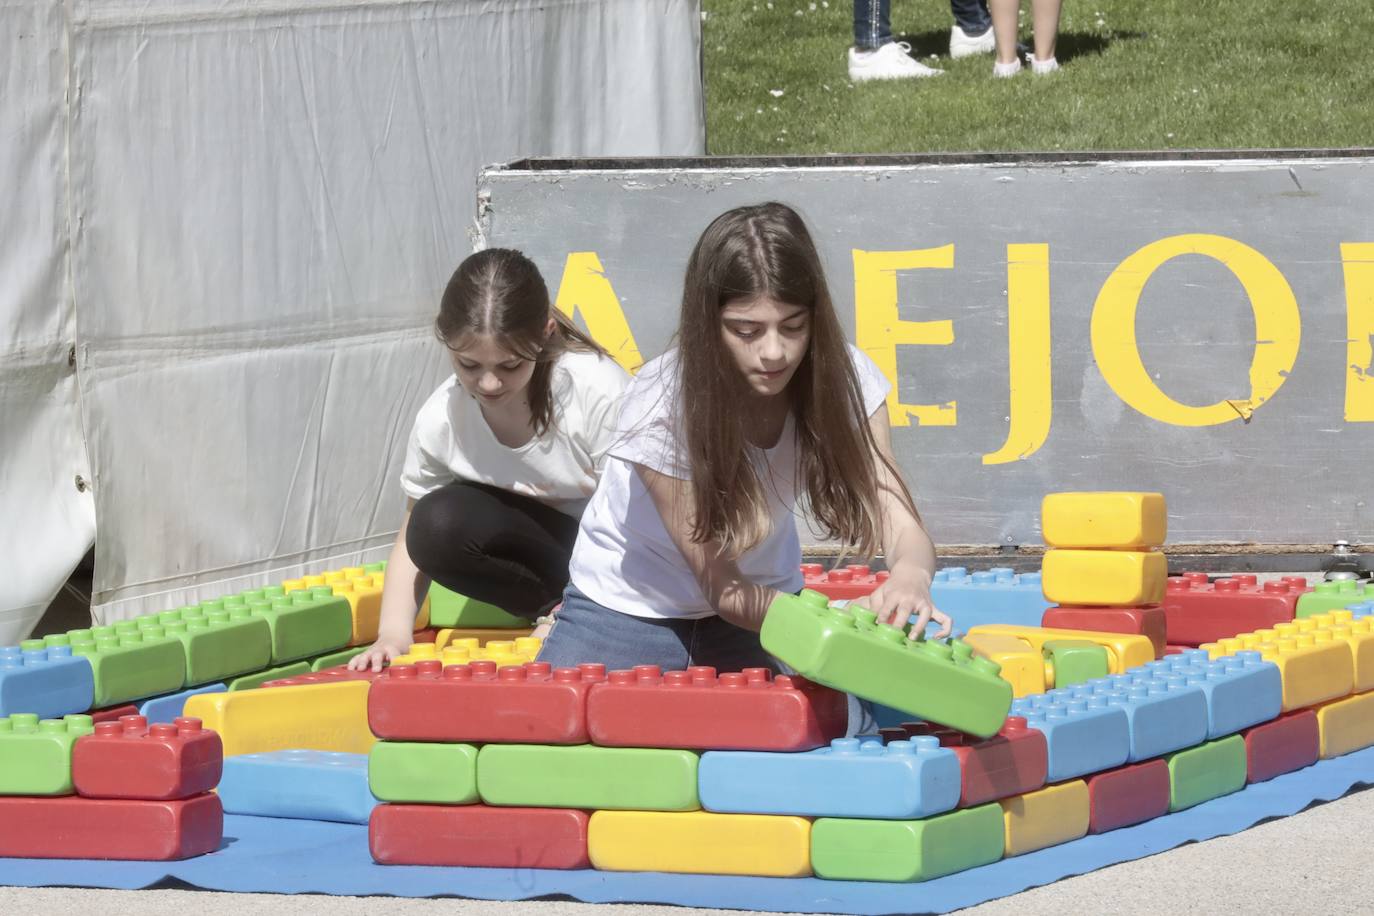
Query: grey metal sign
x=1202 y=327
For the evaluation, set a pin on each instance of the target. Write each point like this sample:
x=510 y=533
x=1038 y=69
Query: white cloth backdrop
x=259 y=205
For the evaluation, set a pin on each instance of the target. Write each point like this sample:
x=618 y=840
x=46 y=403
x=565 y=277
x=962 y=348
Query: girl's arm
x=908 y=549
x=401 y=598
x=734 y=597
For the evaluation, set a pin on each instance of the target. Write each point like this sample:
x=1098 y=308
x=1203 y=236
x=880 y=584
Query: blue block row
x=306 y=785
x=993 y=596
x=1241 y=690
x=1083 y=735
x=51 y=683
x=1163 y=713
x=850 y=778
x=168 y=708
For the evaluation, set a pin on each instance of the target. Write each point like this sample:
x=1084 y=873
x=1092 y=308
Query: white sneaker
x=893 y=61
x=962 y=44
x=1002 y=70
x=1041 y=67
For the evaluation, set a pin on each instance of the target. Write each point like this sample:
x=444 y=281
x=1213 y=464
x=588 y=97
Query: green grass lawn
x=1137 y=74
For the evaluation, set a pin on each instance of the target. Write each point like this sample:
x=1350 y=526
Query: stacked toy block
x=70 y=789
x=460 y=650
x=1202 y=610
x=299 y=784
x=489 y=766
x=1103 y=569
x=997 y=595
x=1036 y=659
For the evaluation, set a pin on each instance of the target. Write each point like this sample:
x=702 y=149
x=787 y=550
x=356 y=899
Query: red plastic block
x=1282 y=745
x=843 y=583
x=428 y=634
x=1146 y=621
x=1128 y=795
x=324 y=676
x=1199 y=611
x=478 y=836
x=112 y=713
x=1175 y=650
x=745 y=711
x=130 y=759
x=518 y=704
x=72 y=827
x=1012 y=762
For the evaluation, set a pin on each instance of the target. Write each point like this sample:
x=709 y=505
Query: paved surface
x=1316 y=861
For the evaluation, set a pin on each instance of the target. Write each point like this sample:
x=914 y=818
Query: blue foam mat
x=282 y=856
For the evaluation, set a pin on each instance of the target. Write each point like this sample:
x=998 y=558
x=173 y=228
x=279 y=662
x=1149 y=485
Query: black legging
x=493 y=545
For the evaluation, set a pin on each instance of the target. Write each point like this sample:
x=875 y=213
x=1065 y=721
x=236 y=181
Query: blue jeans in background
x=873 y=20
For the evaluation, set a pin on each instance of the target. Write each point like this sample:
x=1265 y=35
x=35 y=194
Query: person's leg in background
x=972 y=30
x=875 y=56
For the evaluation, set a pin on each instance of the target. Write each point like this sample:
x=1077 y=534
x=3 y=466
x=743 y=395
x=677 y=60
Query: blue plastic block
x=1084 y=735
x=1166 y=712
x=993 y=596
x=1242 y=689
x=1363 y=609
x=850 y=778
x=166 y=709
x=306 y=785
x=50 y=683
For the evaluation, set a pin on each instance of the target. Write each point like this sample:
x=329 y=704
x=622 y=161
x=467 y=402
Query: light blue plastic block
x=1165 y=712
x=168 y=708
x=48 y=682
x=996 y=595
x=1242 y=689
x=1363 y=609
x=850 y=778
x=1083 y=735
x=305 y=785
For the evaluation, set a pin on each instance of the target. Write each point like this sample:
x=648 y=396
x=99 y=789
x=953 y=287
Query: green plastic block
x=219 y=643
x=36 y=757
x=587 y=776
x=334 y=659
x=1075 y=661
x=450 y=609
x=845 y=648
x=254 y=681
x=871 y=850
x=304 y=623
x=129 y=662
x=1333 y=596
x=440 y=774
x=1206 y=772
x=378 y=567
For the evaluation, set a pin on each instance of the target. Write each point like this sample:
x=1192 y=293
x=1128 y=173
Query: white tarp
x=263 y=204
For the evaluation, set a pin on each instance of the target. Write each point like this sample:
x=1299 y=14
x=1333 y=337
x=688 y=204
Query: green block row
x=1333 y=596
x=36 y=757
x=870 y=850
x=1076 y=661
x=128 y=662
x=334 y=659
x=1207 y=771
x=450 y=609
x=845 y=648
x=257 y=679
x=535 y=776
x=220 y=642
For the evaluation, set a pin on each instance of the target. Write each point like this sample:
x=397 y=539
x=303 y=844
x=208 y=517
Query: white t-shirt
x=452 y=441
x=626 y=560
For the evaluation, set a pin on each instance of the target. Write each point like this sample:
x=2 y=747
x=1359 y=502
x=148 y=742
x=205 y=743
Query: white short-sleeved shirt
x=452 y=441
x=626 y=560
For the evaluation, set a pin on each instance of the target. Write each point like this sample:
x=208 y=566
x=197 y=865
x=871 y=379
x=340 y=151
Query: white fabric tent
x=227 y=228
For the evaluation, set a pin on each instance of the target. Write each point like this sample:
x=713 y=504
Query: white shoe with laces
x=893 y=61
x=962 y=44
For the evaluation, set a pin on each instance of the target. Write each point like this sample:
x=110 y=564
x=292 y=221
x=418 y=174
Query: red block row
x=324 y=676
x=72 y=827
x=1128 y=795
x=1200 y=611
x=854 y=581
x=130 y=759
x=1013 y=761
x=1146 y=621
x=478 y=836
x=535 y=704
x=1282 y=745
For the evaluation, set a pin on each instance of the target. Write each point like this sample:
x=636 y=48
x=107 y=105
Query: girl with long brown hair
x=503 y=455
x=763 y=406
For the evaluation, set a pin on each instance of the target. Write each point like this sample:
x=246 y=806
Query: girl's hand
x=906 y=596
x=382 y=652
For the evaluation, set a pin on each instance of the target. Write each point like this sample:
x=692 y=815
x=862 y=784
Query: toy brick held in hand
x=847 y=649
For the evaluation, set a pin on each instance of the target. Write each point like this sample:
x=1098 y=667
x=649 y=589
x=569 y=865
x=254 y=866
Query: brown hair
x=501 y=293
x=766 y=250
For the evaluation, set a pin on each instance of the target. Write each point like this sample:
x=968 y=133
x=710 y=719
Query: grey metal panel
x=1292 y=474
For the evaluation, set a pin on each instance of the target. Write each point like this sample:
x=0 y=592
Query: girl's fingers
x=946 y=624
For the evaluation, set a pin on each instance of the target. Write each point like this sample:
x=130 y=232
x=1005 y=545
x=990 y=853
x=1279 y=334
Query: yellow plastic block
x=1346 y=725
x=461 y=651
x=422 y=615
x=699 y=842
x=1104 y=521
x=318 y=717
x=1046 y=817
x=1357 y=634
x=1124 y=650
x=364 y=596
x=1022 y=666
x=1098 y=578
x=482 y=635
x=1314 y=670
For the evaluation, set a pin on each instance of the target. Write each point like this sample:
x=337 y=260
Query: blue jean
x=873 y=20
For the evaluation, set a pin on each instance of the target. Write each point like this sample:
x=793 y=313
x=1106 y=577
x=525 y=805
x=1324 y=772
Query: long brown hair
x=499 y=292
x=766 y=250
